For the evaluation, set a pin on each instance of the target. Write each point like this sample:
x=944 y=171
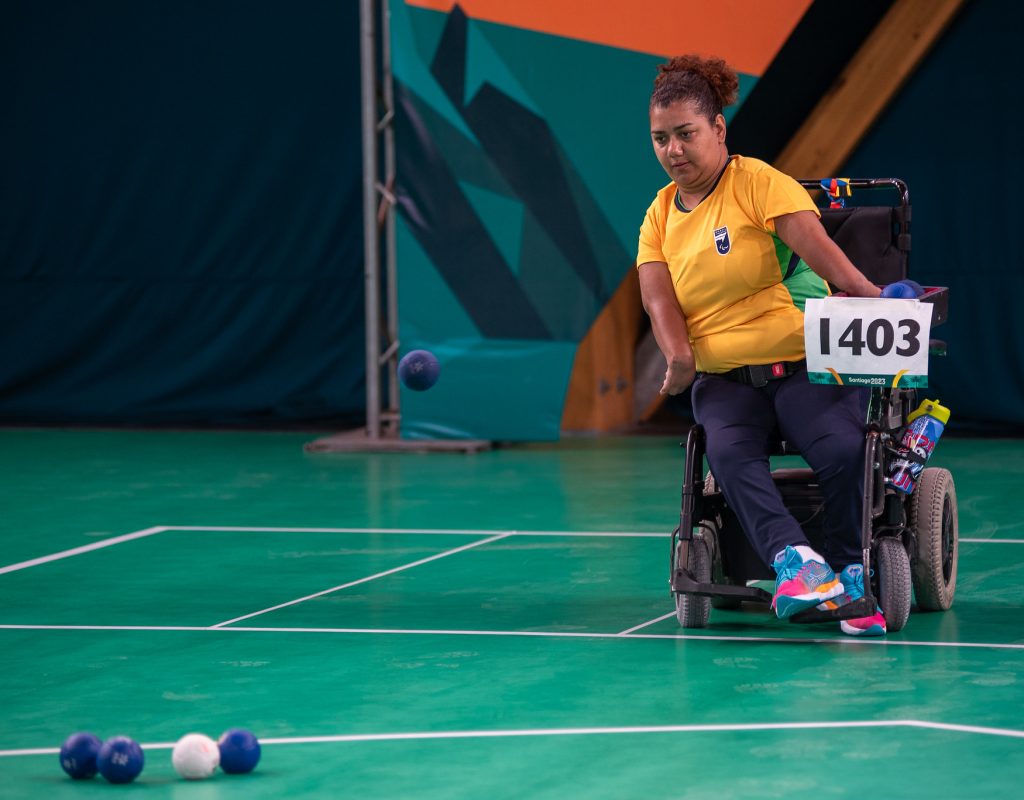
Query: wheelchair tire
x=692 y=610
x=933 y=518
x=892 y=565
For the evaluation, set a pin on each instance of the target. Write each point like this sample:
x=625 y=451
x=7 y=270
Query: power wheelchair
x=908 y=541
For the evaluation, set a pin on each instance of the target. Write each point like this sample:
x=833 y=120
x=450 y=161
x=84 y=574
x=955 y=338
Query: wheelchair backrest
x=875 y=238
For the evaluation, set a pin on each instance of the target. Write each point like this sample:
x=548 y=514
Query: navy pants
x=826 y=423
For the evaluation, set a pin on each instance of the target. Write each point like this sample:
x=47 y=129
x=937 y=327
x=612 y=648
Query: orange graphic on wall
x=746 y=33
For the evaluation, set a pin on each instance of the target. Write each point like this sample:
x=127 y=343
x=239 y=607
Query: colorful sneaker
x=852 y=577
x=804 y=580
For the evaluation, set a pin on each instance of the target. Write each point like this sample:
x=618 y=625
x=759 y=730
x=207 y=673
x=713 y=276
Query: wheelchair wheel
x=933 y=517
x=692 y=610
x=892 y=566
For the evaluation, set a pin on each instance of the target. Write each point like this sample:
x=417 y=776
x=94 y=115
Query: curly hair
x=710 y=83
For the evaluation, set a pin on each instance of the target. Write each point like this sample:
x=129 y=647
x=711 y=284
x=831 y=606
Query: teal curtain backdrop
x=954 y=134
x=180 y=218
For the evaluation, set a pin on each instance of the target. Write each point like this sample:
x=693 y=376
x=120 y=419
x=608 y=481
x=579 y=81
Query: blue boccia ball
x=419 y=370
x=905 y=289
x=239 y=751
x=78 y=755
x=120 y=759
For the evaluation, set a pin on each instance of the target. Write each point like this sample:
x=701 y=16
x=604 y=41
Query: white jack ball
x=195 y=756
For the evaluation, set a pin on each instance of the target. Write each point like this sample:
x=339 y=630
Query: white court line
x=241 y=529
x=846 y=641
x=18 y=627
x=645 y=624
x=417 y=531
x=470 y=532
x=83 y=549
x=420 y=531
x=363 y=580
x=740 y=727
x=722 y=727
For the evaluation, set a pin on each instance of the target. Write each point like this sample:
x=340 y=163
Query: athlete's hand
x=678 y=377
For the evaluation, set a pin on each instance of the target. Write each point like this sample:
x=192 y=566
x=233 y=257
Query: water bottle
x=924 y=427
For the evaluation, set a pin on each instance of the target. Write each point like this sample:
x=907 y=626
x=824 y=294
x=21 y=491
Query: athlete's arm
x=668 y=325
x=805 y=235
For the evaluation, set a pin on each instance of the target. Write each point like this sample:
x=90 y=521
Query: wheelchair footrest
x=683 y=583
x=864 y=607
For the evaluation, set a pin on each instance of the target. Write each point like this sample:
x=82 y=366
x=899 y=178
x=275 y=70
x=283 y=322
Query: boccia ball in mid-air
x=239 y=751
x=78 y=755
x=419 y=370
x=120 y=759
x=195 y=756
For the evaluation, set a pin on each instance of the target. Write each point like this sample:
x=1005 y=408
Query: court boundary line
x=423 y=531
x=649 y=622
x=738 y=727
x=86 y=548
x=472 y=532
x=846 y=641
x=992 y=541
x=74 y=551
x=392 y=571
x=139 y=534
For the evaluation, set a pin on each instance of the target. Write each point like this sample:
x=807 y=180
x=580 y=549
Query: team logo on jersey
x=722 y=240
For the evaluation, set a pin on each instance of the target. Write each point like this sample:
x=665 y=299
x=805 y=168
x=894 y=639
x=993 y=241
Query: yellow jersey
x=740 y=287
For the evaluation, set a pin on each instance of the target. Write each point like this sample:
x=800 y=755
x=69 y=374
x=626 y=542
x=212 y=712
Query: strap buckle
x=760 y=374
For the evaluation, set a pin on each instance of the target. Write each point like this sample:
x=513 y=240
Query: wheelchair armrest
x=938 y=298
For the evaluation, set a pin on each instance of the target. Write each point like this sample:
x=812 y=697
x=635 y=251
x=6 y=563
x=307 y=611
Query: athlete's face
x=689 y=146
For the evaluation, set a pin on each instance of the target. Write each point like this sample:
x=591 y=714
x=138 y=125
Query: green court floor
x=495 y=625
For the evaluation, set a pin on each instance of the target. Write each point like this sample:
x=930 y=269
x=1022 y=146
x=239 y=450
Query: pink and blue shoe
x=803 y=581
x=852 y=577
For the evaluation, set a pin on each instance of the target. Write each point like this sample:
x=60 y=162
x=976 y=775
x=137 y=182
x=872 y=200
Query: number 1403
x=879 y=338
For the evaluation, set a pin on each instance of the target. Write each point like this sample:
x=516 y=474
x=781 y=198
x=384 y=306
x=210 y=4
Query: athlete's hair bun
x=709 y=82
